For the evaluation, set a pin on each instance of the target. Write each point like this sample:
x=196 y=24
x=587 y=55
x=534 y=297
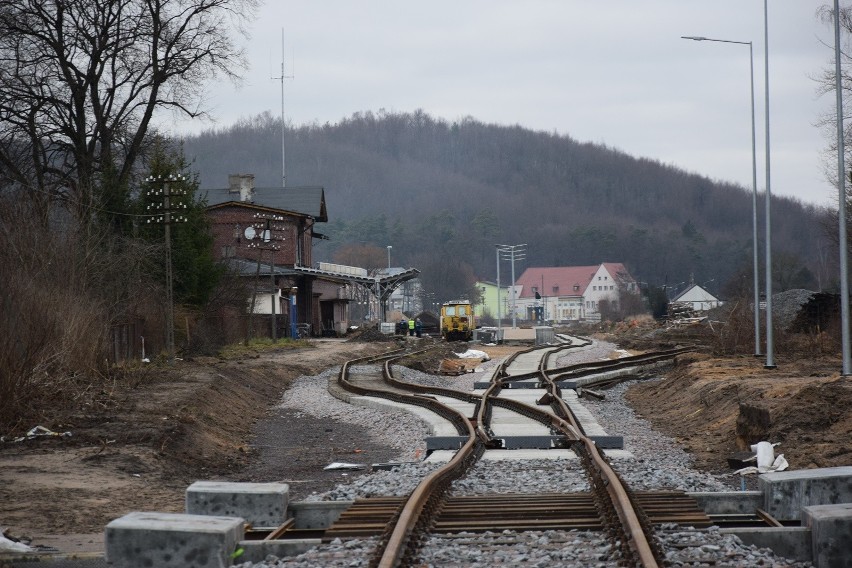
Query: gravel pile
x=659 y=464
x=786 y=306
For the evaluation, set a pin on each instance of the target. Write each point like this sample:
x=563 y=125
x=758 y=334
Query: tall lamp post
x=770 y=349
x=389 y=249
x=753 y=188
x=841 y=183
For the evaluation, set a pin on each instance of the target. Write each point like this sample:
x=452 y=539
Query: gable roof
x=307 y=200
x=256 y=207
x=564 y=277
x=695 y=293
x=618 y=272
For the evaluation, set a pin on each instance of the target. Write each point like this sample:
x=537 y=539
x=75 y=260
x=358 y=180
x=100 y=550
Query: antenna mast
x=282 y=77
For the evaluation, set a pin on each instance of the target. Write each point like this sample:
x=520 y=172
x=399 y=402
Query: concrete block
x=728 y=502
x=169 y=540
x=316 y=514
x=257 y=550
x=831 y=530
x=263 y=505
x=544 y=335
x=788 y=542
x=787 y=492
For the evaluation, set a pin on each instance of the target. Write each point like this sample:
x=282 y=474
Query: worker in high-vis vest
x=411 y=327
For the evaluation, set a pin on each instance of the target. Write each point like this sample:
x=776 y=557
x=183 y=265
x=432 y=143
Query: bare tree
x=81 y=80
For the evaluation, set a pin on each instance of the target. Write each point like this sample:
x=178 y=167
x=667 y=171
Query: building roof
x=618 y=271
x=568 y=280
x=695 y=293
x=565 y=278
x=305 y=200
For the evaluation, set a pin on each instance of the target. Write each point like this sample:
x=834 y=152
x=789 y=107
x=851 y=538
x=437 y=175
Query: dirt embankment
x=716 y=407
x=136 y=444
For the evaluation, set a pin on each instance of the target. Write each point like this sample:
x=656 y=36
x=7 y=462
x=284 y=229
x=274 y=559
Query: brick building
x=267 y=234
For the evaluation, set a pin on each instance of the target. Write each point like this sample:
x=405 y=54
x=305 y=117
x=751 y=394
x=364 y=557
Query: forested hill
x=442 y=194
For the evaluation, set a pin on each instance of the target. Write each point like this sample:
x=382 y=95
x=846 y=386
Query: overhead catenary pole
x=841 y=189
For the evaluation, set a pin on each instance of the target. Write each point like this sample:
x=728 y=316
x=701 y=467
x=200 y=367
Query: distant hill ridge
x=429 y=186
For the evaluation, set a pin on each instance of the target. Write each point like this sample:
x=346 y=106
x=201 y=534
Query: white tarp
x=766 y=460
x=474 y=354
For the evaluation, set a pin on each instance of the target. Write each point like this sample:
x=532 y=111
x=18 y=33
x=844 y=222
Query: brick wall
x=228 y=224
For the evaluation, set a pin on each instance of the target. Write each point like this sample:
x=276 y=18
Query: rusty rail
x=398 y=545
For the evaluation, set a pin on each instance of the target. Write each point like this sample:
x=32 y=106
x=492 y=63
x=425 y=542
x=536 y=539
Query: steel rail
x=399 y=544
x=638 y=541
x=593 y=367
x=424 y=501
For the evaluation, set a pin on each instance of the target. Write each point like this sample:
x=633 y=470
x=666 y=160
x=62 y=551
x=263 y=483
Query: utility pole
x=261 y=236
x=167 y=213
x=514 y=252
x=499 y=316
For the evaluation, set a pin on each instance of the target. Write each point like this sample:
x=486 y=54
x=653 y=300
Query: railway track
x=431 y=508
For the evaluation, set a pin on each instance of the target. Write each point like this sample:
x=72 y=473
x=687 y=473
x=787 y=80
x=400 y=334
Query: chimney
x=242 y=184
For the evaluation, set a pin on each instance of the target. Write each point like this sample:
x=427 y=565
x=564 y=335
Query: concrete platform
x=169 y=540
x=263 y=505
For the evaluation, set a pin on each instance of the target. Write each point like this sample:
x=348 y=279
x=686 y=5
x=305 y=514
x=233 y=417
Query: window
x=556 y=290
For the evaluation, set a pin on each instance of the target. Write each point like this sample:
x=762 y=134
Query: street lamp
x=841 y=187
x=753 y=187
x=770 y=350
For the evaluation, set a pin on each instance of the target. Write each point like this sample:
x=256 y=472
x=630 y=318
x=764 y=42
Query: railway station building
x=266 y=235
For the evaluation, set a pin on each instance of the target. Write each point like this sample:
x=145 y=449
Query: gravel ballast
x=658 y=464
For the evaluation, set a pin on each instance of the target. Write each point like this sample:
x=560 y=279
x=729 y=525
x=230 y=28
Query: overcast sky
x=614 y=72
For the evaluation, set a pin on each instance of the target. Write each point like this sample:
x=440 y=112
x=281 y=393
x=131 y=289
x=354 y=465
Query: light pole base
x=770 y=366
